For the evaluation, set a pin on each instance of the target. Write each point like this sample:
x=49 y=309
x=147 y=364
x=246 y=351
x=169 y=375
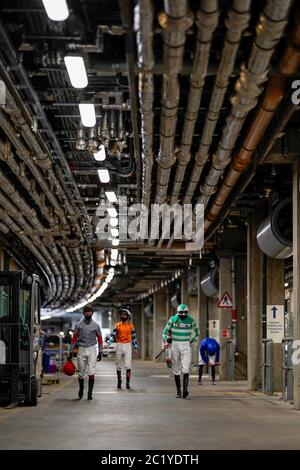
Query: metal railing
x=267 y=366
x=287 y=370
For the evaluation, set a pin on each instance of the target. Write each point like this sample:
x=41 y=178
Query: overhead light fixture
x=76 y=71
x=87 y=114
x=113 y=262
x=113 y=221
x=57 y=10
x=116 y=242
x=111 y=196
x=100 y=156
x=114 y=254
x=104 y=175
x=114 y=232
x=112 y=212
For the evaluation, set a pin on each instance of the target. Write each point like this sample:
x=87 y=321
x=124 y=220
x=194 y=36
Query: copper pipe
x=273 y=97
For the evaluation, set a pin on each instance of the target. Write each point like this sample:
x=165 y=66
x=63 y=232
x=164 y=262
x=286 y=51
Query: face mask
x=88 y=318
x=182 y=316
x=124 y=317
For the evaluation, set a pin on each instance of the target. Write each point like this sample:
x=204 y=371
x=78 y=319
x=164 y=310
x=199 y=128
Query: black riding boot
x=81 y=387
x=178 y=386
x=119 y=379
x=128 y=375
x=200 y=374
x=213 y=375
x=91 y=386
x=185 y=385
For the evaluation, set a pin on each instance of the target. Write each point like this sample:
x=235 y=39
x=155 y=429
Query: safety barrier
x=267 y=366
x=287 y=370
x=230 y=359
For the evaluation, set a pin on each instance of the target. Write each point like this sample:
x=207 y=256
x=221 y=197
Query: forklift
x=20 y=338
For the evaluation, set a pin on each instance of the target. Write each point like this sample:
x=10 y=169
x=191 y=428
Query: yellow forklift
x=20 y=338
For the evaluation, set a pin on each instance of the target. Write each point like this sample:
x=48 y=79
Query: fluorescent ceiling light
x=111 y=196
x=114 y=232
x=57 y=10
x=114 y=254
x=104 y=175
x=116 y=242
x=113 y=221
x=113 y=263
x=87 y=114
x=100 y=156
x=112 y=212
x=76 y=71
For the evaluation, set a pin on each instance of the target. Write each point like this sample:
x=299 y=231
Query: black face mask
x=88 y=319
x=182 y=317
x=124 y=318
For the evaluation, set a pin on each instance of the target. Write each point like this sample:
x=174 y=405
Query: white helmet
x=183 y=310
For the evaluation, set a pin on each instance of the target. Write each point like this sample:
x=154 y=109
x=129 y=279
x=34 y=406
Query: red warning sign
x=225 y=334
x=225 y=301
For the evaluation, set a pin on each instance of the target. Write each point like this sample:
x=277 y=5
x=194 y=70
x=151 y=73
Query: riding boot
x=81 y=387
x=185 y=385
x=91 y=386
x=119 y=379
x=200 y=374
x=178 y=386
x=213 y=375
x=128 y=375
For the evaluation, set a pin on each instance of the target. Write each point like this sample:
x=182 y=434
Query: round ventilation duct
x=210 y=283
x=275 y=233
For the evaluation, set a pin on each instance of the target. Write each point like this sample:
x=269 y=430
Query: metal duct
x=175 y=21
x=210 y=283
x=275 y=233
x=288 y=66
x=236 y=22
x=248 y=88
x=207 y=21
x=143 y=25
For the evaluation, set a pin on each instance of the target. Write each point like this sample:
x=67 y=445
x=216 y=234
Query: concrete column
x=143 y=333
x=225 y=285
x=254 y=303
x=241 y=324
x=184 y=288
x=137 y=320
x=296 y=275
x=160 y=305
x=203 y=304
x=275 y=296
x=192 y=299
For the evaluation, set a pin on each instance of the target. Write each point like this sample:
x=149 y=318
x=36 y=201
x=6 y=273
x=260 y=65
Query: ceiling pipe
x=143 y=25
x=29 y=185
x=288 y=66
x=125 y=12
x=13 y=227
x=175 y=21
x=236 y=22
x=29 y=230
x=206 y=20
x=248 y=88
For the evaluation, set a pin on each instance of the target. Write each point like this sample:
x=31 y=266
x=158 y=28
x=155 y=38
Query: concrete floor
x=149 y=416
